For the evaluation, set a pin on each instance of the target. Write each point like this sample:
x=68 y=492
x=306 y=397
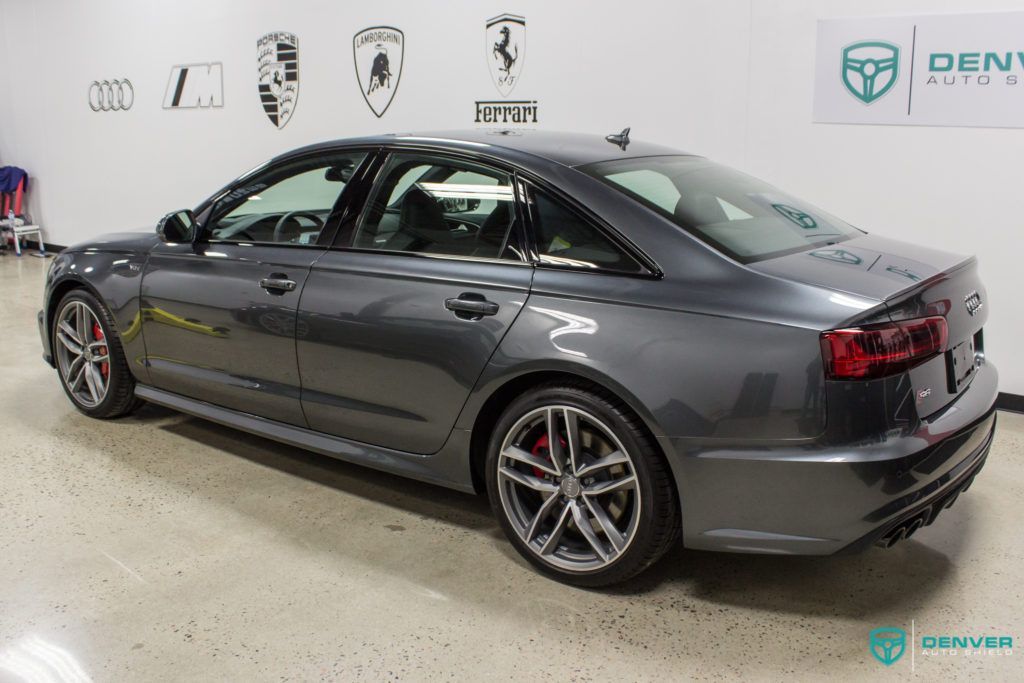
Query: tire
x=554 y=518
x=99 y=389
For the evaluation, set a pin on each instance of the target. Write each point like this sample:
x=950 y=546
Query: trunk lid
x=867 y=266
x=912 y=282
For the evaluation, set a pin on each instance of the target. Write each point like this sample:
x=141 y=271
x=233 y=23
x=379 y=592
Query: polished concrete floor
x=161 y=547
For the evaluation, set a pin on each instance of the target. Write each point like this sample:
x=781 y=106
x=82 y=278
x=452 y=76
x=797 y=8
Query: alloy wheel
x=82 y=353
x=569 y=488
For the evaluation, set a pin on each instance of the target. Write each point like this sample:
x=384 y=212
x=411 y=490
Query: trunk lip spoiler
x=880 y=312
x=902 y=295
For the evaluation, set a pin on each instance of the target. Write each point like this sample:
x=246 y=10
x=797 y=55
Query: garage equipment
x=13 y=184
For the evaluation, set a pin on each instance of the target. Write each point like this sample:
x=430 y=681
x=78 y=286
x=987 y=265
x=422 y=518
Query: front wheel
x=579 y=487
x=90 y=360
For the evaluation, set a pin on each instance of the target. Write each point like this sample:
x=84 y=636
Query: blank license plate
x=960 y=364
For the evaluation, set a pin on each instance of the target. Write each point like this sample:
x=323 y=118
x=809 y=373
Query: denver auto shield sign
x=936 y=70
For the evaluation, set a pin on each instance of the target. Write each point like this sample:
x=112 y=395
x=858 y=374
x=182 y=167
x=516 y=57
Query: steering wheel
x=283 y=220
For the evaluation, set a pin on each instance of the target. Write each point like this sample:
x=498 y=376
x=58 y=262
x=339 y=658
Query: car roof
x=563 y=148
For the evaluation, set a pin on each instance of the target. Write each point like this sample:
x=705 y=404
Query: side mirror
x=177 y=226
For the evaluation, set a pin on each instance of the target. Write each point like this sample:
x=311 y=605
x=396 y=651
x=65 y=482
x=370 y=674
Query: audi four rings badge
x=115 y=95
x=277 y=58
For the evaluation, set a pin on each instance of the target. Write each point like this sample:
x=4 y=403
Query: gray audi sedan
x=621 y=343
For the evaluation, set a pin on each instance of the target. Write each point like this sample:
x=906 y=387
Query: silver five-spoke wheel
x=569 y=488
x=82 y=355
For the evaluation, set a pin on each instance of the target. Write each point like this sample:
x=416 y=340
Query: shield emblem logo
x=278 y=62
x=887 y=644
x=378 y=53
x=838 y=255
x=802 y=219
x=506 y=48
x=870 y=68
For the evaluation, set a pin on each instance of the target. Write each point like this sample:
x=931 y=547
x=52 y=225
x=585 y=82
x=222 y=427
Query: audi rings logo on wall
x=114 y=95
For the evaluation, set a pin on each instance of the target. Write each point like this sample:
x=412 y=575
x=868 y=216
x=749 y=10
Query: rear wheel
x=90 y=360
x=579 y=487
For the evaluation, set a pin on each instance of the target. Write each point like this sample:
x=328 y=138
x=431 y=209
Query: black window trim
x=374 y=175
x=651 y=270
x=327 y=233
x=353 y=200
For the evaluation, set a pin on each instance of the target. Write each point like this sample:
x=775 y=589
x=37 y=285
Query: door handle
x=471 y=306
x=279 y=284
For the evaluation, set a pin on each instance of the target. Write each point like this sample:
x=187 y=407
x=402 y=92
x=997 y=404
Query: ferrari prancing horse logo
x=505 y=37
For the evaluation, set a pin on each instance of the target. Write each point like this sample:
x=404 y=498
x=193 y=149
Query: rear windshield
x=740 y=216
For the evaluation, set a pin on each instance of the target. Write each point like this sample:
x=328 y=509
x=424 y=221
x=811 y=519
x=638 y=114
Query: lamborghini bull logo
x=870 y=69
x=380 y=73
x=379 y=52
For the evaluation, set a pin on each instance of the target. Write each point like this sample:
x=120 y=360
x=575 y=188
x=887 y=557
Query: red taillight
x=882 y=350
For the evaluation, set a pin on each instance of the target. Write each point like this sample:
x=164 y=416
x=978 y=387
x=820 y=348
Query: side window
x=564 y=238
x=288 y=205
x=432 y=205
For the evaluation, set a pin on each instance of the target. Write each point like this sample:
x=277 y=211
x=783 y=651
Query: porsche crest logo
x=278 y=61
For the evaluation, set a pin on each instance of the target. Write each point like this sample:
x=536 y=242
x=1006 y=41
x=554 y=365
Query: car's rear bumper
x=47 y=351
x=820 y=499
x=920 y=510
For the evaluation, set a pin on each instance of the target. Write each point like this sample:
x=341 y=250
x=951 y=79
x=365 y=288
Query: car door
x=403 y=315
x=219 y=315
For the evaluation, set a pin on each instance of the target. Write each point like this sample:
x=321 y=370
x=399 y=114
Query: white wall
x=731 y=79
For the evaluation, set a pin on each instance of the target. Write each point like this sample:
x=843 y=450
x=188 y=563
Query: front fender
x=113 y=277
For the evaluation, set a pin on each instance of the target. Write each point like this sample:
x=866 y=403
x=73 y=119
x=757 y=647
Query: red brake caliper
x=541 y=450
x=97 y=334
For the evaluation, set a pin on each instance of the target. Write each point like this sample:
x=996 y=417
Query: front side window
x=432 y=205
x=287 y=205
x=740 y=216
x=564 y=238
